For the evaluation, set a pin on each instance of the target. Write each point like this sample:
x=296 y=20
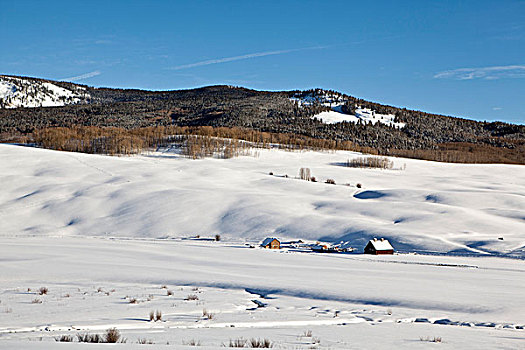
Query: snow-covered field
x=100 y=231
x=346 y=301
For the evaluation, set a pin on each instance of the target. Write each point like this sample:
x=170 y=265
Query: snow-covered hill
x=104 y=236
x=475 y=209
x=28 y=92
x=335 y=101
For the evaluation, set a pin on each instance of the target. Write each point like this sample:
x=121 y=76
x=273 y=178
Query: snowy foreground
x=346 y=301
x=107 y=237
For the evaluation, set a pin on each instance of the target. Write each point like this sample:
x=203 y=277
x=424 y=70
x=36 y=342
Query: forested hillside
x=422 y=135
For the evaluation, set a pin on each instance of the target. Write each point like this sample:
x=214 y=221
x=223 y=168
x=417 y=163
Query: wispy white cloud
x=243 y=57
x=488 y=73
x=497 y=108
x=83 y=76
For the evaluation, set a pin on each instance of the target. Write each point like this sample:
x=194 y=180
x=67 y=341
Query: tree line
x=204 y=141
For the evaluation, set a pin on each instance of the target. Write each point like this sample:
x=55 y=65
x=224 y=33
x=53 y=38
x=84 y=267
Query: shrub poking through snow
x=89 y=338
x=192 y=297
x=158 y=315
x=36 y=301
x=307 y=333
x=64 y=339
x=431 y=339
x=259 y=343
x=237 y=343
x=144 y=341
x=192 y=342
x=358 y=185
x=43 y=290
x=207 y=315
x=133 y=300
x=169 y=292
x=152 y=315
x=313 y=179
x=217 y=238
x=113 y=336
x=330 y=181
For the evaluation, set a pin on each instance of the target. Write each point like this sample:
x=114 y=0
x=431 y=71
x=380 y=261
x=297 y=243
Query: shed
x=320 y=248
x=378 y=247
x=271 y=243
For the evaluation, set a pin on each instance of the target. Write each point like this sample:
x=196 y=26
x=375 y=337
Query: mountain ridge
x=317 y=113
x=68 y=84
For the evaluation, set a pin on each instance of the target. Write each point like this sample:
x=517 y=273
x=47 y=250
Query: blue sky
x=460 y=58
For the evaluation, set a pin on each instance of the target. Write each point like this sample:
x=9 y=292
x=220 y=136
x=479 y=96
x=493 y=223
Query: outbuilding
x=271 y=243
x=320 y=248
x=379 y=247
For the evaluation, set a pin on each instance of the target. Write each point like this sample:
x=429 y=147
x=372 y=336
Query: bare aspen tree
x=304 y=174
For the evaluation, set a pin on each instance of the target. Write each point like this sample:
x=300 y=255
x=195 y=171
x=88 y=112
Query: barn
x=271 y=243
x=379 y=247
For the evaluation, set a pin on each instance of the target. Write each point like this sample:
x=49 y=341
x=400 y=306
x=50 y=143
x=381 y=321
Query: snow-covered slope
x=20 y=92
x=475 y=209
x=335 y=115
x=102 y=234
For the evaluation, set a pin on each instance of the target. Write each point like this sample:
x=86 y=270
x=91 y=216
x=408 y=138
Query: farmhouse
x=379 y=246
x=271 y=243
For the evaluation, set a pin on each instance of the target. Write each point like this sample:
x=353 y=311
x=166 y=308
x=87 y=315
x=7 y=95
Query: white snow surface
x=346 y=301
x=429 y=206
x=335 y=115
x=20 y=92
x=101 y=231
x=363 y=115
